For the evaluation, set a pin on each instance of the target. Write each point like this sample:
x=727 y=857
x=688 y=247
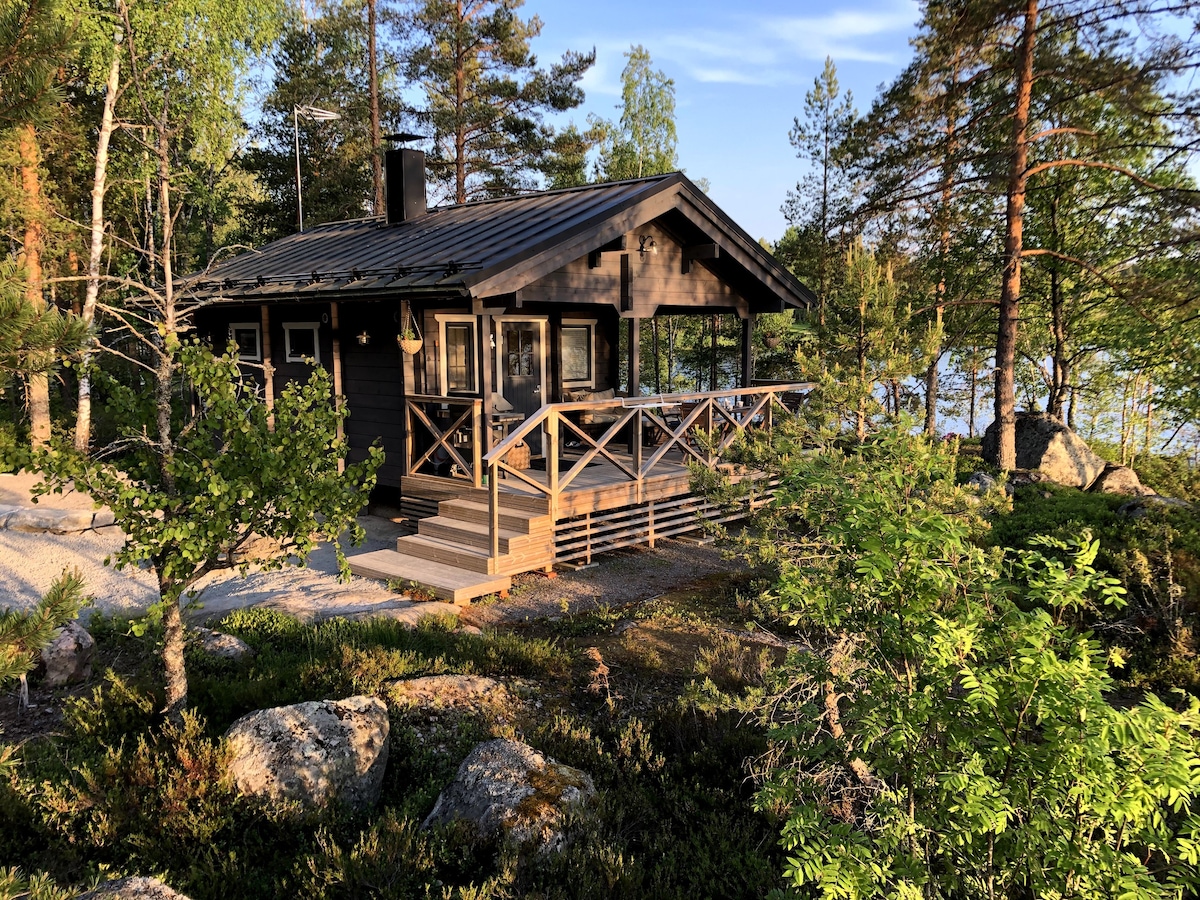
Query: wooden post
x=337 y=372
x=268 y=367
x=550 y=450
x=486 y=360
x=713 y=368
x=493 y=515
x=747 y=348
x=409 y=444
x=635 y=364
x=477 y=429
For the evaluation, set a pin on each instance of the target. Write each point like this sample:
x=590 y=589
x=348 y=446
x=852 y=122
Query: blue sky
x=740 y=72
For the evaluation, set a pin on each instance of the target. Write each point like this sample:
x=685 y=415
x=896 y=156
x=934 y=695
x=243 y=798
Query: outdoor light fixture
x=314 y=114
x=647 y=244
x=364 y=338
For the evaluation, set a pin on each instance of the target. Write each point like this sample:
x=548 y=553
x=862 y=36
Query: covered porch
x=495 y=511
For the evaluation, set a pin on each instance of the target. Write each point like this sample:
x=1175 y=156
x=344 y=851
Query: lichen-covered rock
x=226 y=646
x=1121 y=480
x=67 y=659
x=1046 y=444
x=313 y=753
x=509 y=790
x=137 y=888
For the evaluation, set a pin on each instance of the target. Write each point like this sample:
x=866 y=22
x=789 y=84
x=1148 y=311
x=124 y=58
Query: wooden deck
x=588 y=495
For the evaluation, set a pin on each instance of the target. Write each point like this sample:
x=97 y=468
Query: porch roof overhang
x=493 y=248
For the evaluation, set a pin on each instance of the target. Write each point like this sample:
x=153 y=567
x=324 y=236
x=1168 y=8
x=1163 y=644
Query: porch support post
x=747 y=347
x=335 y=327
x=635 y=357
x=486 y=361
x=635 y=369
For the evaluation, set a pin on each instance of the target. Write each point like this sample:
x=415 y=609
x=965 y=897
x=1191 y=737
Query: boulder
x=136 y=888
x=312 y=753
x=67 y=659
x=981 y=482
x=1137 y=509
x=1121 y=480
x=509 y=790
x=225 y=646
x=1049 y=446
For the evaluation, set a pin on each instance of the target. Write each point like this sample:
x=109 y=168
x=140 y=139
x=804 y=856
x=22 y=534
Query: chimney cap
x=402 y=137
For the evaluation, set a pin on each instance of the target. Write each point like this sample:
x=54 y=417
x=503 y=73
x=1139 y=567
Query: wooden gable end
x=636 y=282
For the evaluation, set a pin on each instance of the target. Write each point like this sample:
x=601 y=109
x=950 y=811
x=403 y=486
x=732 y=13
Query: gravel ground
x=30 y=562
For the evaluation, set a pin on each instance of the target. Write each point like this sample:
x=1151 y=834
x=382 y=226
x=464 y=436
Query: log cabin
x=493 y=349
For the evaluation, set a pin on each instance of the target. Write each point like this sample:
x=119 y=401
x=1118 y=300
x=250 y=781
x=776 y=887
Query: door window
x=518 y=349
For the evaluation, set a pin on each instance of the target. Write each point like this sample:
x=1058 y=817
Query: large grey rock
x=508 y=789
x=137 y=888
x=61 y=521
x=981 y=482
x=68 y=657
x=1137 y=509
x=1046 y=444
x=225 y=646
x=313 y=753
x=1121 y=480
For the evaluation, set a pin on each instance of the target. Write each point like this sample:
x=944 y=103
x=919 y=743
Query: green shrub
x=15 y=454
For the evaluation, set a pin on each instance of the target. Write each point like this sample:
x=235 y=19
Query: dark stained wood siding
x=658 y=280
x=372 y=382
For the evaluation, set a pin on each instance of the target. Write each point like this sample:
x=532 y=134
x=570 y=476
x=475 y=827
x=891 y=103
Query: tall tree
x=485 y=98
x=820 y=204
x=643 y=142
x=35 y=42
x=325 y=63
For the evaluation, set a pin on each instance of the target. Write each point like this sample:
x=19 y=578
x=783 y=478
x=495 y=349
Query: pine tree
x=485 y=97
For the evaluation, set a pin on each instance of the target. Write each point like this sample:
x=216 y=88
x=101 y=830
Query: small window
x=578 y=351
x=247 y=337
x=300 y=342
x=460 y=357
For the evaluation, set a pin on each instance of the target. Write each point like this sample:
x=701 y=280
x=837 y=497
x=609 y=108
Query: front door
x=522 y=367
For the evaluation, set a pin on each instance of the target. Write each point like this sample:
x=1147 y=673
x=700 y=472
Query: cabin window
x=458 y=369
x=300 y=342
x=577 y=341
x=460 y=357
x=247 y=337
x=518 y=347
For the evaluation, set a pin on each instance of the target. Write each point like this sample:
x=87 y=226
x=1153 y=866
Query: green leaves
x=948 y=735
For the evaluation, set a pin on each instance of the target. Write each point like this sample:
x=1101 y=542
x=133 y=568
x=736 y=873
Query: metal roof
x=488 y=244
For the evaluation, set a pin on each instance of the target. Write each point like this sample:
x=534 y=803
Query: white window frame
x=590 y=324
x=444 y=319
x=256 y=327
x=288 y=328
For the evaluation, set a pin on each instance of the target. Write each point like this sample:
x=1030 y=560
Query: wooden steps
x=445 y=582
x=449 y=555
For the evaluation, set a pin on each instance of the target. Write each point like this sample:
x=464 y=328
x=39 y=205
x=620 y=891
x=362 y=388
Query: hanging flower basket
x=409 y=337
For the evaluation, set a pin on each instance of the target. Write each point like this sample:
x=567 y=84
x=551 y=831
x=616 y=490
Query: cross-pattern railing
x=444 y=432
x=701 y=426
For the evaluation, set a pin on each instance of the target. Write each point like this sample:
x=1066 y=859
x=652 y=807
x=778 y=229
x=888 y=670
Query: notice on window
x=576 y=353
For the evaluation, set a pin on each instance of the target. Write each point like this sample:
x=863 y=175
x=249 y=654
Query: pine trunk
x=37 y=383
x=83 y=421
x=376 y=149
x=1010 y=293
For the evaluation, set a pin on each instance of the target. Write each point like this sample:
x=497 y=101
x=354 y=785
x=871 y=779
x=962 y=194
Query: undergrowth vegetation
x=915 y=690
x=120 y=791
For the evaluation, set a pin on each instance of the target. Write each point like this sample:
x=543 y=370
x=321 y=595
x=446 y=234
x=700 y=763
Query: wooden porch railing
x=452 y=425
x=701 y=425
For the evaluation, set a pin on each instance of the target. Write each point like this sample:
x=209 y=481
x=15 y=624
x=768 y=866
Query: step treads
x=479 y=513
x=443 y=581
x=477 y=534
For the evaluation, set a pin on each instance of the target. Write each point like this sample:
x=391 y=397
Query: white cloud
x=764 y=50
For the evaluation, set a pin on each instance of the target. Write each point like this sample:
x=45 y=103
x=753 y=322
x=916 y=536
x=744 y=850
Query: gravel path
x=29 y=563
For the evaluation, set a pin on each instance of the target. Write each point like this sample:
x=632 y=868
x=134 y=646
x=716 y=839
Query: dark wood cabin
x=512 y=432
